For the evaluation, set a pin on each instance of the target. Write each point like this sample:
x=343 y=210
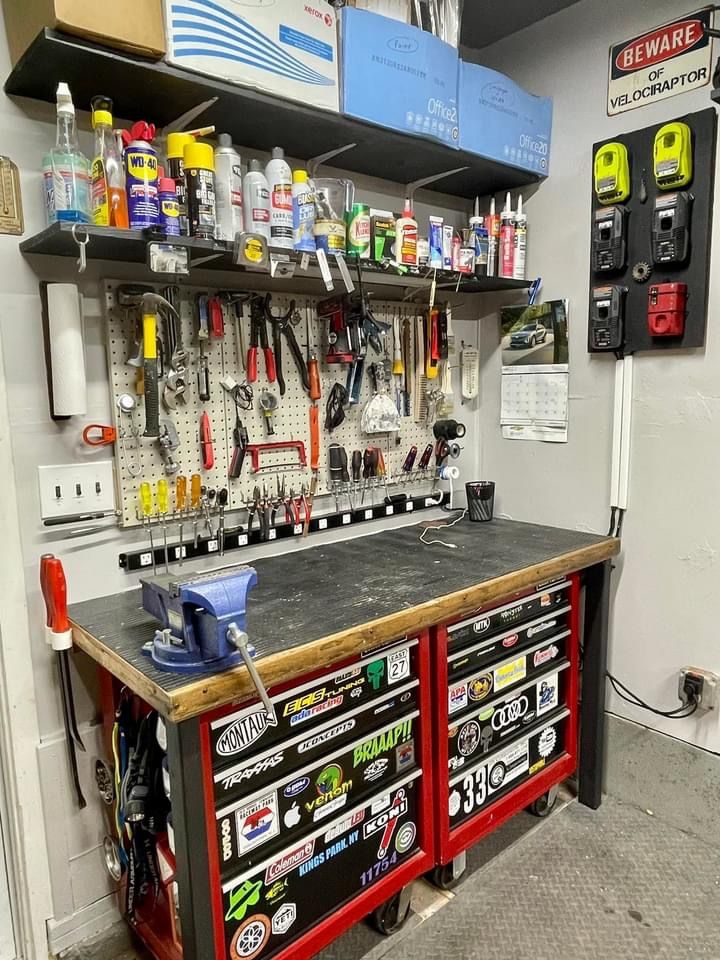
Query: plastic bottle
x=406 y=237
x=169 y=208
x=141 y=177
x=199 y=162
x=176 y=143
x=107 y=176
x=507 y=240
x=66 y=171
x=279 y=178
x=256 y=201
x=493 y=240
x=303 y=212
x=520 y=259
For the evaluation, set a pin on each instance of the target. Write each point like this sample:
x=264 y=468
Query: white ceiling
x=485 y=21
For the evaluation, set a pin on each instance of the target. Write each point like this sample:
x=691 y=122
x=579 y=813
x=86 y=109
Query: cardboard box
x=287 y=48
x=400 y=77
x=128 y=24
x=502 y=121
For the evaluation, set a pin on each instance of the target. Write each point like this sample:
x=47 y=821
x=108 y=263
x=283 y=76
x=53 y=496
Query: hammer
x=150 y=304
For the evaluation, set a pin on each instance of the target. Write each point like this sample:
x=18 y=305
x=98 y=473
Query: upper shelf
x=130 y=246
x=143 y=89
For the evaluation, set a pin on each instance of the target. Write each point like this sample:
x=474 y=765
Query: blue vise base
x=195 y=614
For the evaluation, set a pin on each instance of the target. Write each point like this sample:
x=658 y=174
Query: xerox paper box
x=400 y=77
x=502 y=121
x=283 y=47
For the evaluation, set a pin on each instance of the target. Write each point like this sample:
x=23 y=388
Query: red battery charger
x=667 y=305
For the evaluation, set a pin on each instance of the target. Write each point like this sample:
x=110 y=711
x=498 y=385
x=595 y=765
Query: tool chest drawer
x=483 y=729
x=277 y=816
x=509 y=673
x=487 y=624
x=474 y=789
x=269 y=906
x=303 y=708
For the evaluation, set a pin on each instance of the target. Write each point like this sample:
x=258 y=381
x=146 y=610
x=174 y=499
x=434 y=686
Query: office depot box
x=502 y=121
x=286 y=48
x=400 y=77
x=133 y=26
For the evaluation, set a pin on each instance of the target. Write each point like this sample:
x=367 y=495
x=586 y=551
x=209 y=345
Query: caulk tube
x=493 y=240
x=520 y=242
x=507 y=240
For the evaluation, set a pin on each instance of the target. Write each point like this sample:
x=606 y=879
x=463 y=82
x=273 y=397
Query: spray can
x=493 y=240
x=303 y=212
x=176 y=143
x=169 y=208
x=256 y=201
x=199 y=162
x=507 y=240
x=280 y=181
x=520 y=242
x=358 y=241
x=228 y=190
x=141 y=180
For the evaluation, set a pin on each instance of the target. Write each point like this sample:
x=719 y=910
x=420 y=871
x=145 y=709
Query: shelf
x=129 y=246
x=157 y=92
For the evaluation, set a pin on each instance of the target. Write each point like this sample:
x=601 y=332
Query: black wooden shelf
x=159 y=93
x=130 y=246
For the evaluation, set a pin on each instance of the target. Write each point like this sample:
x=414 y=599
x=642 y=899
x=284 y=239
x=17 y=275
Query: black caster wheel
x=443 y=877
x=390 y=916
x=544 y=804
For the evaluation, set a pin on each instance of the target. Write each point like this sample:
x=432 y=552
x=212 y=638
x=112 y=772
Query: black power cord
x=687 y=710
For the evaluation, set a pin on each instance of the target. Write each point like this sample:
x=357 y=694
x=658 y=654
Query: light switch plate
x=74 y=488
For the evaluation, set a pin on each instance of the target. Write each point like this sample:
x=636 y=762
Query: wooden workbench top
x=314 y=607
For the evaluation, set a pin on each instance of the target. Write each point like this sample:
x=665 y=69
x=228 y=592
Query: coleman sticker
x=509 y=673
x=670 y=59
x=289 y=861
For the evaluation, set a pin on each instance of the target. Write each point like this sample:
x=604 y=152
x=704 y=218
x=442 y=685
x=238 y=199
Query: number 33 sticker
x=398 y=665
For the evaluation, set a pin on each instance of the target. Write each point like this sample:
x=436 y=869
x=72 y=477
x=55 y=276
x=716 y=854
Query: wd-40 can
x=141 y=178
x=358 y=234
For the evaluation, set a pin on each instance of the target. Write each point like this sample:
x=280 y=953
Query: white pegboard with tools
x=141 y=459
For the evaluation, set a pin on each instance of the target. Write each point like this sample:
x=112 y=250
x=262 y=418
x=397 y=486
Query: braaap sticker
x=670 y=59
x=382 y=742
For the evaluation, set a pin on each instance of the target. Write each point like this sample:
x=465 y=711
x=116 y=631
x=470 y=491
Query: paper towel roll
x=67 y=353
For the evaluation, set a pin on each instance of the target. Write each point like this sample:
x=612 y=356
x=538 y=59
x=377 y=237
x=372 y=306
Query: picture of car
x=528 y=335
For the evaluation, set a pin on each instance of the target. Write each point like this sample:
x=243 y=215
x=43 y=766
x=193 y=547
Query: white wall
x=665 y=610
x=7 y=939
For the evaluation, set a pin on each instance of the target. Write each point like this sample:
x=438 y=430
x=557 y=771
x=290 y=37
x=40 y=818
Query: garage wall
x=664 y=613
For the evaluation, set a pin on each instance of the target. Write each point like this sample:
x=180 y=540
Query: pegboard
x=139 y=458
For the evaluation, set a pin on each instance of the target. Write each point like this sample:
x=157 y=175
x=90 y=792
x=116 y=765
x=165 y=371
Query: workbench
x=331 y=615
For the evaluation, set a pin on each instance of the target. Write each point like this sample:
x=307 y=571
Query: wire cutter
x=259 y=338
x=283 y=325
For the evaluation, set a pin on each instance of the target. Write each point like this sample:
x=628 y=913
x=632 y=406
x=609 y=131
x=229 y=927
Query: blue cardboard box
x=502 y=121
x=400 y=77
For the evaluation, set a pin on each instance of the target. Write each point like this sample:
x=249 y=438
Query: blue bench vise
x=202 y=618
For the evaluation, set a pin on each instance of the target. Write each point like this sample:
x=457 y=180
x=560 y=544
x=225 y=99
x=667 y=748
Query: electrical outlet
x=70 y=489
x=705 y=683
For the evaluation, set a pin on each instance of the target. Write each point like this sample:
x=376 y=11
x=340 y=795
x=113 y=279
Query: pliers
x=283 y=325
x=263 y=508
x=259 y=337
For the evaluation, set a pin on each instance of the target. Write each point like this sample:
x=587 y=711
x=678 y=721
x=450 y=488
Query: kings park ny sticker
x=668 y=60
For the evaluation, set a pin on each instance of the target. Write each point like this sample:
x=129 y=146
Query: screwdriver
x=163 y=501
x=146 y=505
x=195 y=495
x=180 y=505
x=222 y=499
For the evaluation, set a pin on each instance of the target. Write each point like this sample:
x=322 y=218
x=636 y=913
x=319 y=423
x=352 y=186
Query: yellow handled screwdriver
x=180 y=506
x=163 y=502
x=146 y=506
x=195 y=497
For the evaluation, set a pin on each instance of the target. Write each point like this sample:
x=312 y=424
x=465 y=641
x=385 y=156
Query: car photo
x=528 y=335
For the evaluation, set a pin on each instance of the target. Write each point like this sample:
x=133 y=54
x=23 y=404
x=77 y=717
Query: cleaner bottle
x=141 y=177
x=303 y=212
x=520 y=242
x=228 y=190
x=507 y=240
x=66 y=171
x=107 y=186
x=279 y=178
x=256 y=201
x=406 y=237
x=199 y=162
x=169 y=207
x=493 y=240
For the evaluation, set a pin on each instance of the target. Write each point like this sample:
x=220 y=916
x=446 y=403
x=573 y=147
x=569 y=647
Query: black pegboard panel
x=696 y=271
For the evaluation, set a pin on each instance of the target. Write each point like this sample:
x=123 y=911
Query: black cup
x=480 y=500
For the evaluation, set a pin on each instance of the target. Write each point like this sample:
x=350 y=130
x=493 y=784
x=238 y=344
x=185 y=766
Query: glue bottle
x=256 y=201
x=507 y=240
x=228 y=190
x=279 y=178
x=520 y=242
x=66 y=171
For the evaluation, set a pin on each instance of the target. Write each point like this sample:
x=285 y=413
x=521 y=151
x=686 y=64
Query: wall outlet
x=704 y=683
x=75 y=488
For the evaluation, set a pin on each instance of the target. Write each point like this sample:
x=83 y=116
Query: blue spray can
x=141 y=178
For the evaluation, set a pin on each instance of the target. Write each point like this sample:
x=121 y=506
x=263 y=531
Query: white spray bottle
x=279 y=178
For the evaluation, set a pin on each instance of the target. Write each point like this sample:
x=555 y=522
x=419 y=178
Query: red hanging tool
x=216 y=317
x=206 y=443
x=59 y=636
x=259 y=337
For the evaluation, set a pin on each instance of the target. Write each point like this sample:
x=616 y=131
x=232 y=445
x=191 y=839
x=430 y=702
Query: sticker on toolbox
x=303 y=707
x=275 y=902
x=313 y=795
x=504 y=769
x=547 y=599
x=481 y=731
x=508 y=673
x=487 y=652
x=253 y=773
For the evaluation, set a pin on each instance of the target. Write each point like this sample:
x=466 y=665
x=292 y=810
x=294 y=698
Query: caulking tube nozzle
x=508 y=203
x=476 y=208
x=519 y=206
x=492 y=206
